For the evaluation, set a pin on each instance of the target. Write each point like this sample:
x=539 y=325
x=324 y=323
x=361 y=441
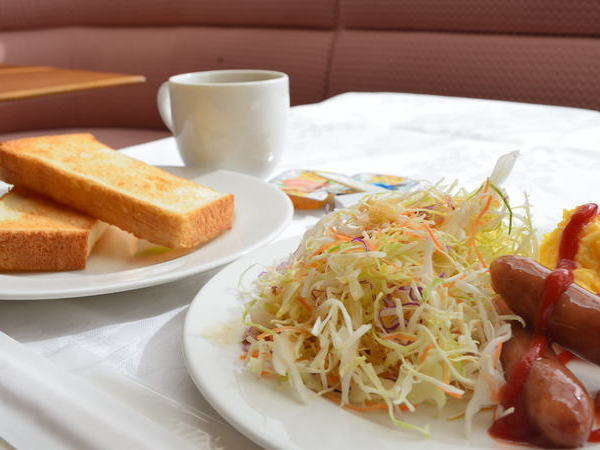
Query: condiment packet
x=307 y=190
x=385 y=182
x=388 y=182
x=315 y=189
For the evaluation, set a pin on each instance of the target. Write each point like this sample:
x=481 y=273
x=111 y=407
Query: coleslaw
x=388 y=304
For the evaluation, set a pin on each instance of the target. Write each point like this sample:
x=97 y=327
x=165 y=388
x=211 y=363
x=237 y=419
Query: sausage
x=557 y=405
x=575 y=321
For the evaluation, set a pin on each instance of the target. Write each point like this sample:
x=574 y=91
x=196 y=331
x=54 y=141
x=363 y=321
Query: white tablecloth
x=114 y=339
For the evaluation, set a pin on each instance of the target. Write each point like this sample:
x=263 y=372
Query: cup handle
x=163 y=100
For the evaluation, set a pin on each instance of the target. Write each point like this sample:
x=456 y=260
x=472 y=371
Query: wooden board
x=17 y=82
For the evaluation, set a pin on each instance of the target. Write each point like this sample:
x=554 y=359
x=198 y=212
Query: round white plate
x=270 y=415
x=261 y=212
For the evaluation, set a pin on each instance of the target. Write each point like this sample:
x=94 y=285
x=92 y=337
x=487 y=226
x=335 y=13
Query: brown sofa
x=543 y=51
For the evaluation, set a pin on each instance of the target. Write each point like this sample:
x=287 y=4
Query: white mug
x=227 y=119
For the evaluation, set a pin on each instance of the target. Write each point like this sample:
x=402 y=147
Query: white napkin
x=44 y=406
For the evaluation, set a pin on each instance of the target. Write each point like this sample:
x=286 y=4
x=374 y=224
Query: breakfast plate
x=120 y=262
x=270 y=415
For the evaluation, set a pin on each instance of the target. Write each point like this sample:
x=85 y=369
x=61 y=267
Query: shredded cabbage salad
x=388 y=304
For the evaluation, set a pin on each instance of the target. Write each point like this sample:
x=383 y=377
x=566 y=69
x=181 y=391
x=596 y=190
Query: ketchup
x=566 y=356
x=595 y=434
x=515 y=426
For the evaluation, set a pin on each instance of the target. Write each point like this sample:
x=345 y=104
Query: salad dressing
x=515 y=426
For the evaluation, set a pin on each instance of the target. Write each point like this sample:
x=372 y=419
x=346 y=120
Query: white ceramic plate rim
x=194 y=363
x=167 y=276
x=206 y=367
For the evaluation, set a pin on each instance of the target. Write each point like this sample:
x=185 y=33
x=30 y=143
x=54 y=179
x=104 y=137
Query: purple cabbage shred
x=362 y=241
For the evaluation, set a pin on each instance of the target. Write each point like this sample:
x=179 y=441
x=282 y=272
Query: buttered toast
x=39 y=234
x=79 y=171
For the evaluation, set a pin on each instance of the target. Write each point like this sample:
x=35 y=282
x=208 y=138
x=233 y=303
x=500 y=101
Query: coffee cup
x=227 y=119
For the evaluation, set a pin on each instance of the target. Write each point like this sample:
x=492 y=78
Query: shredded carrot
x=315 y=264
x=371 y=246
x=333 y=378
x=452 y=393
x=425 y=353
x=342 y=237
x=485 y=209
x=279 y=330
x=473 y=248
x=306 y=304
x=368 y=406
x=256 y=354
x=406 y=337
x=324 y=248
x=332 y=396
x=480 y=257
x=447 y=381
x=266 y=373
x=436 y=240
x=413 y=233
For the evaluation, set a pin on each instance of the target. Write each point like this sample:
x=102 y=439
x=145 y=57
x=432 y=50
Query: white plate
x=261 y=212
x=268 y=414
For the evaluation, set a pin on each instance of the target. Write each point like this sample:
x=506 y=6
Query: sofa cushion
x=22 y=14
x=534 y=69
x=573 y=17
x=156 y=53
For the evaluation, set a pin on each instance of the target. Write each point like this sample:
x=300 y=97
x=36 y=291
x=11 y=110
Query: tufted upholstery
x=532 y=69
x=542 y=51
x=20 y=14
x=546 y=17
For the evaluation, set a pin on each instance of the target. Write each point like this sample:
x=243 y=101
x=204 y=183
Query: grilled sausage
x=575 y=321
x=557 y=405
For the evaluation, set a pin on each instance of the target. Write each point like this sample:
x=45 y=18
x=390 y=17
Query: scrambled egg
x=587 y=273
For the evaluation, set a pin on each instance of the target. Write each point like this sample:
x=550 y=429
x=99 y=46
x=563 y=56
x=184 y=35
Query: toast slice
x=39 y=234
x=79 y=171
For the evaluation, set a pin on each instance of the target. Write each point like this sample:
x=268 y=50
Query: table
x=18 y=82
x=130 y=343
